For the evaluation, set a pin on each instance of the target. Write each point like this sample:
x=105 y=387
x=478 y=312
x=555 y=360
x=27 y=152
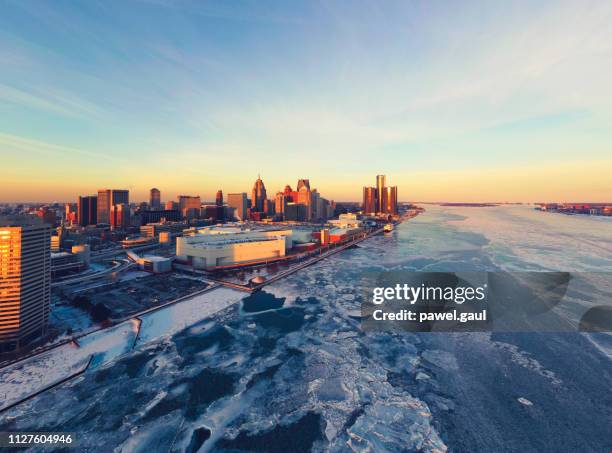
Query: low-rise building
x=343 y=234
x=155 y=264
x=347 y=221
x=213 y=247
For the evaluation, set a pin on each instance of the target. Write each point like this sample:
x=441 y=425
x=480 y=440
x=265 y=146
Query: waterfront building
x=155 y=199
x=390 y=200
x=380 y=198
x=325 y=239
x=208 y=248
x=369 y=200
x=25 y=274
x=347 y=221
x=343 y=234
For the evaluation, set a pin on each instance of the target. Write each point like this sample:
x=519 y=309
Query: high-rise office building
x=104 y=204
x=295 y=212
x=380 y=188
x=304 y=198
x=189 y=206
x=87 y=210
x=25 y=274
x=219 y=198
x=108 y=198
x=238 y=201
x=303 y=183
x=390 y=202
x=380 y=199
x=369 y=200
x=280 y=202
x=314 y=203
x=120 y=216
x=258 y=195
x=289 y=194
x=269 y=208
x=155 y=199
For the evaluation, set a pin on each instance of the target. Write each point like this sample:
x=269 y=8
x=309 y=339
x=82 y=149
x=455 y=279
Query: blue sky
x=452 y=100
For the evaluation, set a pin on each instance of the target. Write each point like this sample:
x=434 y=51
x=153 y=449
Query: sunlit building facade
x=189 y=206
x=390 y=200
x=238 y=201
x=258 y=196
x=25 y=274
x=108 y=198
x=380 y=197
x=209 y=248
x=380 y=200
x=369 y=200
x=120 y=216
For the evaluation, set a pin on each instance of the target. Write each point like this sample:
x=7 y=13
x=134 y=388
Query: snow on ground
x=27 y=377
x=176 y=317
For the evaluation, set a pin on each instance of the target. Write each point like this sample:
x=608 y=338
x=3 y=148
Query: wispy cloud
x=26 y=145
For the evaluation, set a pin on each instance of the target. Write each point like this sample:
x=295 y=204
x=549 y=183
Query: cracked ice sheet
x=27 y=377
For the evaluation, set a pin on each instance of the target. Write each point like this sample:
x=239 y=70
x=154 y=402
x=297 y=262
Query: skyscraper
x=280 y=202
x=189 y=206
x=380 y=187
x=107 y=198
x=390 y=202
x=219 y=198
x=155 y=199
x=303 y=183
x=87 y=210
x=25 y=274
x=304 y=198
x=288 y=192
x=380 y=199
x=369 y=200
x=120 y=216
x=238 y=201
x=258 y=195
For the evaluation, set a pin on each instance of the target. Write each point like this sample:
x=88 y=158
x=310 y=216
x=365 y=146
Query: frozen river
x=289 y=369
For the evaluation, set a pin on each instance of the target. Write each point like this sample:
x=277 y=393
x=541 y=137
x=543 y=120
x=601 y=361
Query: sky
x=453 y=101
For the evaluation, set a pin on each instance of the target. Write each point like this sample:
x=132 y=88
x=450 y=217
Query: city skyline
x=195 y=97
